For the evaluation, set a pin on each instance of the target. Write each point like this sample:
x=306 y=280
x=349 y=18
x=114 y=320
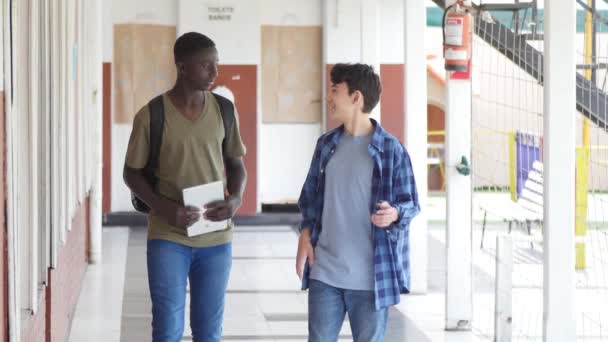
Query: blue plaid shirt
x=392 y=181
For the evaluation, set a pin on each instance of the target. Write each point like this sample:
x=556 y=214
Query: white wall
x=237 y=40
x=239 y=43
x=392 y=32
x=290 y=12
x=107 y=30
x=285 y=150
x=343 y=31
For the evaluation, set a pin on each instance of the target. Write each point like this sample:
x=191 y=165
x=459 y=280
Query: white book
x=200 y=195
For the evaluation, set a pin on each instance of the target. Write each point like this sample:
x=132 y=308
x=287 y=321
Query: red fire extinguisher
x=457 y=37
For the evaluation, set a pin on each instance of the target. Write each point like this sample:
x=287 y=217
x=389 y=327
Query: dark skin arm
x=237 y=178
x=174 y=213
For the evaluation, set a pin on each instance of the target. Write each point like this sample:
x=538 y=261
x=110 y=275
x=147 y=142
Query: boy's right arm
x=307 y=208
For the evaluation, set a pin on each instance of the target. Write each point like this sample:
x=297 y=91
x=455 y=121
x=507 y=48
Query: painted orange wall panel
x=242 y=81
x=107 y=138
x=392 y=111
x=58 y=303
x=66 y=280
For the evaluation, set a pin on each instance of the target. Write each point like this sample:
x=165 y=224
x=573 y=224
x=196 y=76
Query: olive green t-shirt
x=190 y=155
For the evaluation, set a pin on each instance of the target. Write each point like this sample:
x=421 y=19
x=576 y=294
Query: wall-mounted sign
x=220 y=13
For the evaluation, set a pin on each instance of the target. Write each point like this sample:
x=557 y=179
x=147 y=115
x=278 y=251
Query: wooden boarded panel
x=143 y=66
x=291 y=74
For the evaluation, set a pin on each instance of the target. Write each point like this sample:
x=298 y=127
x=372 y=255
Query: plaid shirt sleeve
x=406 y=196
x=307 y=201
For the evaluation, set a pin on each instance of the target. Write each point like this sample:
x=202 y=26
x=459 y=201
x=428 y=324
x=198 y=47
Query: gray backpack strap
x=157 y=122
x=227 y=111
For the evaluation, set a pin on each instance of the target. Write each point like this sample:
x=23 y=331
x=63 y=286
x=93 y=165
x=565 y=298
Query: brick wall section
x=66 y=279
x=242 y=80
x=392 y=105
x=34 y=327
x=52 y=322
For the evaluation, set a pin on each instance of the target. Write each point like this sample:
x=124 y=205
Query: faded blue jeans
x=327 y=306
x=169 y=266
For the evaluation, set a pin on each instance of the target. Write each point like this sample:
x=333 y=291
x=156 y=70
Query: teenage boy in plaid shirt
x=357 y=202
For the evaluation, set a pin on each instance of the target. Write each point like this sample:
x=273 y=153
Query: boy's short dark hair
x=190 y=43
x=359 y=77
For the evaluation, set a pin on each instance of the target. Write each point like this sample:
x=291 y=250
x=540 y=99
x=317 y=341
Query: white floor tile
x=264 y=301
x=98 y=312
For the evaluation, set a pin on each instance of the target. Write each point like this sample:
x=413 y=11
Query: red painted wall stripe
x=242 y=81
x=392 y=107
x=107 y=138
x=58 y=302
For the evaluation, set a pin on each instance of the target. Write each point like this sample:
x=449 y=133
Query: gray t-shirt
x=344 y=255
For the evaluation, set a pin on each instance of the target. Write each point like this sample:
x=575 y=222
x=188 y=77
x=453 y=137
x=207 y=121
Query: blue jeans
x=169 y=266
x=327 y=306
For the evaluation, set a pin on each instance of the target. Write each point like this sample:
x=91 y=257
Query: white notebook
x=199 y=196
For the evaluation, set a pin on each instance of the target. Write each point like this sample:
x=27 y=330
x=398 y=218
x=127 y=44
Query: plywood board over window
x=143 y=66
x=291 y=74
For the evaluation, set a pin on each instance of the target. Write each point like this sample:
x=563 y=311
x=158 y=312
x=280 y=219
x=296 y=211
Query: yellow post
x=582 y=177
x=582 y=155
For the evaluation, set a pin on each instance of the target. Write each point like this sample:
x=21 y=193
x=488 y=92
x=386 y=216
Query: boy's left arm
x=404 y=187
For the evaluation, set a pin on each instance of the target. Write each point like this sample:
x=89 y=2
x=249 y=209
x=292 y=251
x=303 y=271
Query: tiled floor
x=263 y=302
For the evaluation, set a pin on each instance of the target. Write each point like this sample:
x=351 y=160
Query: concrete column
x=370 y=40
x=559 y=170
x=94 y=12
x=459 y=275
x=415 y=98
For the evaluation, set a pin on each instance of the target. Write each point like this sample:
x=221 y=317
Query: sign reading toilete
x=220 y=13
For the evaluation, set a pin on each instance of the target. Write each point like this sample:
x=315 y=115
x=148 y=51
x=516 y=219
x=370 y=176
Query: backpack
x=157 y=122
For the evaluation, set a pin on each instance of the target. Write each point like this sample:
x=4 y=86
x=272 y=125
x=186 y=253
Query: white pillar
x=370 y=40
x=94 y=12
x=459 y=276
x=559 y=170
x=415 y=98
